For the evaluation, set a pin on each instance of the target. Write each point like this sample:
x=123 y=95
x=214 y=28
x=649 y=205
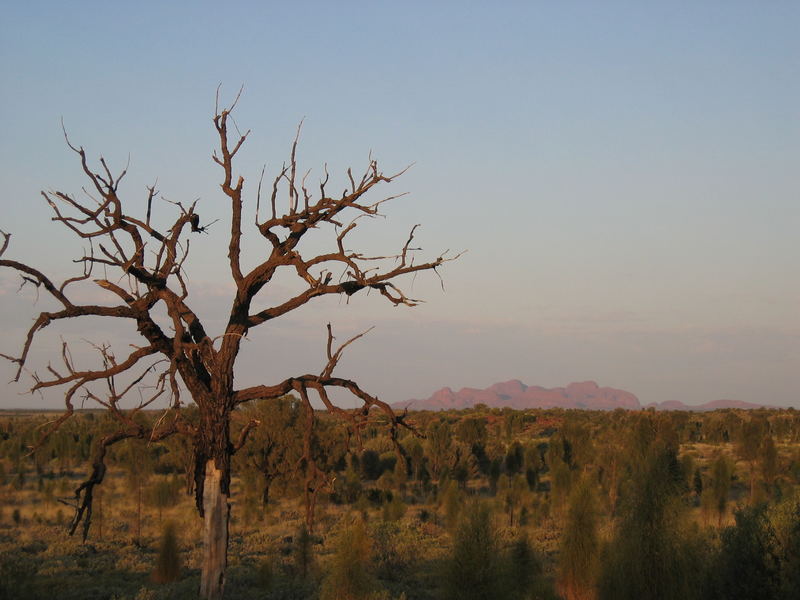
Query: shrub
x=302 y=554
x=396 y=548
x=785 y=520
x=348 y=577
x=168 y=562
x=451 y=503
x=265 y=574
x=17 y=571
x=394 y=509
x=371 y=467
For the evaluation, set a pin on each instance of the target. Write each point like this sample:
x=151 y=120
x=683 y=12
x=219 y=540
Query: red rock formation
x=516 y=394
x=584 y=394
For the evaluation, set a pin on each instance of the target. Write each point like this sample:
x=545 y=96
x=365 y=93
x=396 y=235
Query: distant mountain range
x=587 y=395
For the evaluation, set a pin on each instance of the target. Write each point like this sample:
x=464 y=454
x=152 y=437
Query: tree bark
x=216 y=511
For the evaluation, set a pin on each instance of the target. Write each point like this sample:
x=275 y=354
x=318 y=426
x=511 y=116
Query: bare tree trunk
x=311 y=505
x=215 y=534
x=188 y=472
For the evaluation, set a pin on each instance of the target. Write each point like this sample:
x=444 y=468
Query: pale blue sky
x=624 y=176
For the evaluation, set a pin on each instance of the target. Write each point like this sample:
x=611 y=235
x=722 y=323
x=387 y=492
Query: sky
x=623 y=176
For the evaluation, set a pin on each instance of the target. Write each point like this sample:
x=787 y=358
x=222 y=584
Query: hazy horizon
x=623 y=177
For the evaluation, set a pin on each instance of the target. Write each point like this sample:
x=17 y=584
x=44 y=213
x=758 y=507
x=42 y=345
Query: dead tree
x=142 y=268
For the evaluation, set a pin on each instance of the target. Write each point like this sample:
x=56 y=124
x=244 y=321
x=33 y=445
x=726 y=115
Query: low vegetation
x=487 y=503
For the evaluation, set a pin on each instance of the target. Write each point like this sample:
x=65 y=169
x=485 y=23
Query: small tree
x=748 y=445
x=524 y=571
x=438 y=449
x=652 y=555
x=474 y=570
x=580 y=546
x=164 y=493
x=138 y=464
x=276 y=445
x=452 y=501
x=768 y=462
x=139 y=261
x=721 y=474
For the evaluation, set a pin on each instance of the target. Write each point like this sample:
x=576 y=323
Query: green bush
x=396 y=549
x=747 y=566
